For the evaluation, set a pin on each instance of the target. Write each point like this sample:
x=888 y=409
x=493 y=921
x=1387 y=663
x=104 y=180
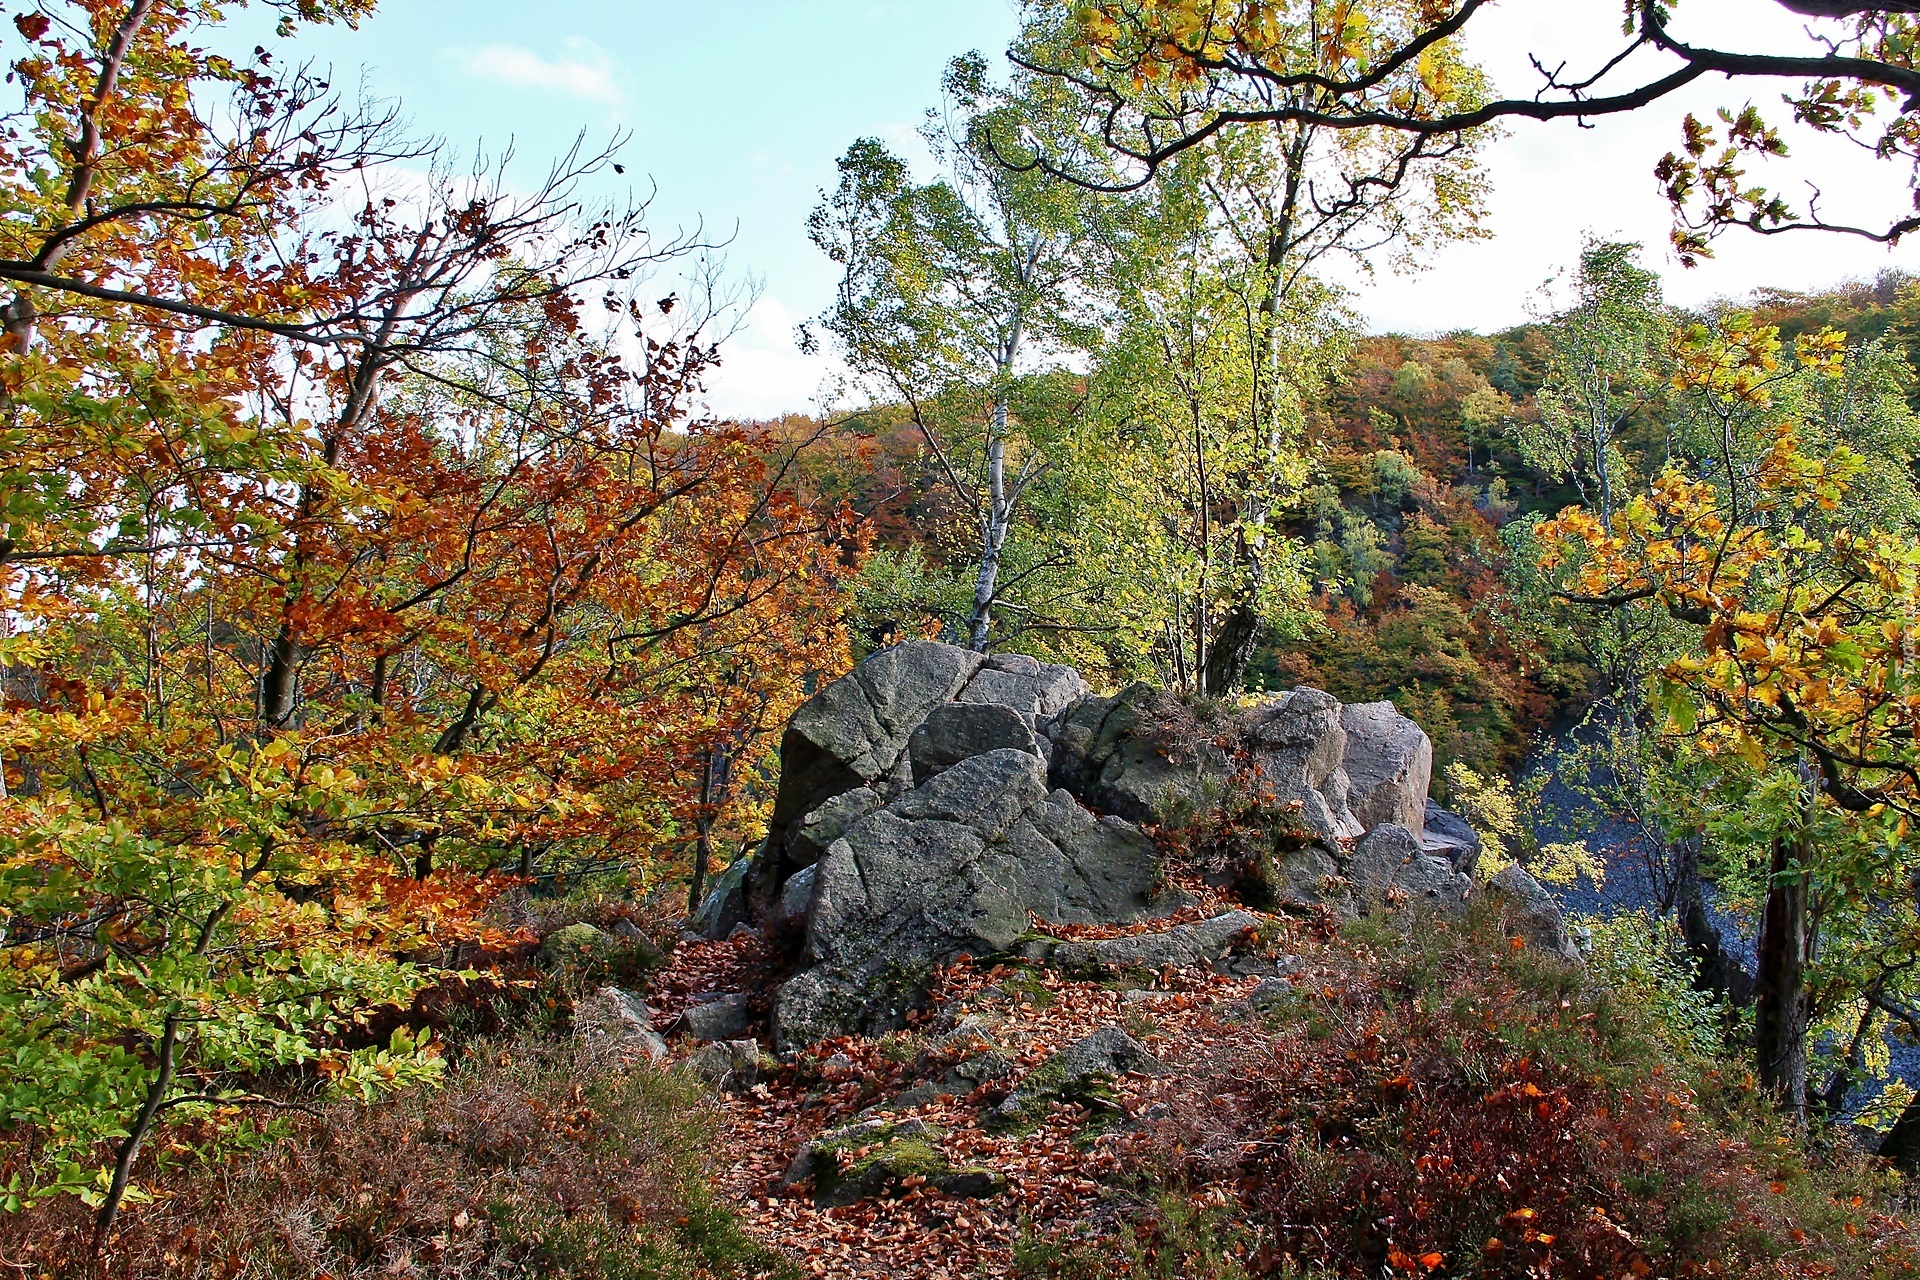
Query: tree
x=347 y=566
x=955 y=290
x=1792 y=696
x=1603 y=368
x=1268 y=210
x=1164 y=76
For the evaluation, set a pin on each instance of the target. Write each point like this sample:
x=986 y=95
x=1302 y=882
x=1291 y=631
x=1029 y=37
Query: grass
x=539 y=1158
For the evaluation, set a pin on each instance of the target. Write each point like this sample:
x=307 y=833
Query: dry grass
x=540 y=1157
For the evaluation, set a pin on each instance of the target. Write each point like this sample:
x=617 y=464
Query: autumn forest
x=468 y=808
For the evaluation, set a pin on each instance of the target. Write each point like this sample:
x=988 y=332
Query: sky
x=736 y=110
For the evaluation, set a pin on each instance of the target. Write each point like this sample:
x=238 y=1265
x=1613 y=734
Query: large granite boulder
x=854 y=732
x=1389 y=762
x=1389 y=867
x=961 y=730
x=1037 y=690
x=1132 y=755
x=953 y=868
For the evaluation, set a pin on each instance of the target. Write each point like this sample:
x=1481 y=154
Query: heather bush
x=539 y=1157
x=1437 y=1100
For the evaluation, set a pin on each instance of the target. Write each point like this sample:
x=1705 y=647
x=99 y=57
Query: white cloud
x=582 y=71
x=762 y=372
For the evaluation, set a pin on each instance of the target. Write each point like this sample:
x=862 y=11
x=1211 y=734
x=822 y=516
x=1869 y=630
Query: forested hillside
x=1100 y=791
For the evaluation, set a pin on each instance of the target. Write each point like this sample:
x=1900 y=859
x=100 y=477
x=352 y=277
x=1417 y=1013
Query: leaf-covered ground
x=1426 y=1099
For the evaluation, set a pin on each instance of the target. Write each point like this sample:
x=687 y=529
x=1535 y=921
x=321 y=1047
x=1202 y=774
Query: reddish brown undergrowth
x=1433 y=1102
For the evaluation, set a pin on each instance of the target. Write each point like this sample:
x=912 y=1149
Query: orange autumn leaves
x=1808 y=622
x=350 y=575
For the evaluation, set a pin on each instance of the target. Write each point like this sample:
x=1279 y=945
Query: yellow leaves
x=1824 y=352
x=1736 y=362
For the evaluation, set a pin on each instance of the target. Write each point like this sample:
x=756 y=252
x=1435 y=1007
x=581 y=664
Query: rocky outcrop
x=933 y=802
x=1389 y=762
x=1533 y=914
x=953 y=868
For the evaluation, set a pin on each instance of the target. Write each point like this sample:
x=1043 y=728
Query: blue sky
x=739 y=108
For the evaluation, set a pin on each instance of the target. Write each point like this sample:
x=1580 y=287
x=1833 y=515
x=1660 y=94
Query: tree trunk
x=993 y=531
x=1230 y=652
x=1717 y=971
x=142 y=1124
x=1780 y=1003
x=1901 y=1146
x=712 y=782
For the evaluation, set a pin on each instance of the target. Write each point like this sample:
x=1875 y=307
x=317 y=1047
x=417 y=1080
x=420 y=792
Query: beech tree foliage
x=362 y=556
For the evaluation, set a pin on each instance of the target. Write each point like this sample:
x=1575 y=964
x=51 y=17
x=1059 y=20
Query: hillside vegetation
x=1097 y=797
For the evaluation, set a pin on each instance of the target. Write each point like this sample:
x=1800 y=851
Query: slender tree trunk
x=993 y=527
x=712 y=780
x=1230 y=652
x=129 y=1149
x=1781 y=1004
x=1716 y=971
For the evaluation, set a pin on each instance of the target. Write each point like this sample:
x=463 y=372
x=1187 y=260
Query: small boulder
x=1531 y=911
x=619 y=1016
x=874 y=1155
x=1187 y=946
x=725 y=905
x=796 y=897
x=1082 y=1072
x=576 y=946
x=733 y=1065
x=723 y=1018
x=1309 y=878
x=1270 y=993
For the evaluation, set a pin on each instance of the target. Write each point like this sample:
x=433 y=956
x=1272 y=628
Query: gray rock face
x=796 y=896
x=1531 y=910
x=854 y=731
x=1037 y=690
x=1389 y=762
x=961 y=730
x=1449 y=836
x=810 y=837
x=1388 y=864
x=1112 y=753
x=1186 y=946
x=725 y=1018
x=952 y=868
x=1309 y=878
